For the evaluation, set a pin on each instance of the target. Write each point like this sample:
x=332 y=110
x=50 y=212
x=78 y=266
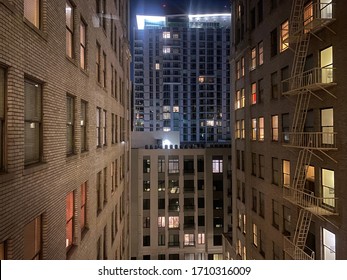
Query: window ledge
x=39 y=32
x=71 y=157
x=85 y=71
x=5 y=177
x=34 y=168
x=70 y=59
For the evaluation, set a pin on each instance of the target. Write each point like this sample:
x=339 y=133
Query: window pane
x=32 y=11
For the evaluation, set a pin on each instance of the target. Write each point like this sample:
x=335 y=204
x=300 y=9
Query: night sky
x=161 y=7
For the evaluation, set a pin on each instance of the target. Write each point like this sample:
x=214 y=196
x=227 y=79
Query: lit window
x=189 y=239
x=32 y=12
x=242 y=66
x=166 y=35
x=286 y=173
x=157 y=66
x=146 y=186
x=176 y=109
x=201 y=238
x=261 y=129
x=253 y=58
x=243 y=133
x=254 y=129
x=69 y=219
x=326 y=64
x=255 y=235
x=327 y=126
x=238 y=130
x=69 y=29
x=217 y=165
x=32 y=240
x=174 y=222
x=238 y=100
x=284 y=36
x=33 y=122
x=83 y=45
x=260 y=53
x=173 y=165
x=166 y=50
x=328 y=188
x=329 y=245
x=274 y=127
x=254 y=93
x=308 y=16
x=161 y=221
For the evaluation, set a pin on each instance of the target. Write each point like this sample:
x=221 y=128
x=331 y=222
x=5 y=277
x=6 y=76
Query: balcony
x=315 y=79
x=312 y=140
x=319 y=206
x=295 y=253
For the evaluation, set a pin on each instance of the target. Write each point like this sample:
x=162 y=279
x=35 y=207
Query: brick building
x=64 y=96
x=289 y=152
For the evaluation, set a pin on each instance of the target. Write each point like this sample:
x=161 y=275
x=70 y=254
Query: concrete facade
x=72 y=149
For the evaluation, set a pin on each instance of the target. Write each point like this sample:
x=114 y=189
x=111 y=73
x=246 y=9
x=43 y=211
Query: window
x=238 y=69
x=260 y=53
x=238 y=130
x=161 y=240
x=275 y=214
x=33 y=122
x=274 y=127
x=260 y=11
x=101 y=13
x=286 y=220
x=261 y=205
x=83 y=120
x=189 y=239
x=98 y=127
x=161 y=221
x=98 y=193
x=254 y=200
x=274 y=86
x=260 y=91
x=174 y=222
x=83 y=45
x=240 y=99
x=328 y=187
x=255 y=235
x=326 y=64
x=261 y=128
x=146 y=186
x=146 y=240
x=69 y=29
x=243 y=132
x=275 y=172
x=253 y=58
x=173 y=165
x=32 y=12
x=104 y=129
x=329 y=245
x=83 y=213
x=284 y=45
x=70 y=213
x=308 y=15
x=146 y=222
x=254 y=93
x=98 y=62
x=254 y=164
x=217 y=165
x=254 y=129
x=70 y=124
x=161 y=164
x=146 y=204
x=166 y=35
x=273 y=42
x=327 y=126
x=242 y=66
x=2 y=116
x=286 y=172
x=32 y=240
x=201 y=238
x=284 y=78
x=285 y=127
x=261 y=166
x=146 y=165
x=104 y=70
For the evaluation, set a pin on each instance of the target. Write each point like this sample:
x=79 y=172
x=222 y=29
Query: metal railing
x=297 y=253
x=313 y=79
x=321 y=14
x=321 y=206
x=313 y=140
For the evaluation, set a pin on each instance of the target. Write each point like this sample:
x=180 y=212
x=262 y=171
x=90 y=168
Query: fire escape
x=305 y=21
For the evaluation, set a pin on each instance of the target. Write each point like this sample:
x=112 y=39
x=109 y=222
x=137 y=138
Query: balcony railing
x=295 y=252
x=312 y=140
x=314 y=79
x=321 y=206
x=322 y=14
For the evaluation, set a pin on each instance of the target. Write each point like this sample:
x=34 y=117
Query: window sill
x=71 y=157
x=70 y=59
x=85 y=71
x=38 y=31
x=32 y=168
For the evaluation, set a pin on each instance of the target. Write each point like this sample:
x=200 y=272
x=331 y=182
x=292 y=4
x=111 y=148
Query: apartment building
x=182 y=76
x=289 y=152
x=64 y=130
x=180 y=198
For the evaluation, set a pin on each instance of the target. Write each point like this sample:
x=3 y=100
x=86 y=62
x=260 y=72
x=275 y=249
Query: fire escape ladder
x=300 y=113
x=296 y=16
x=302 y=229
